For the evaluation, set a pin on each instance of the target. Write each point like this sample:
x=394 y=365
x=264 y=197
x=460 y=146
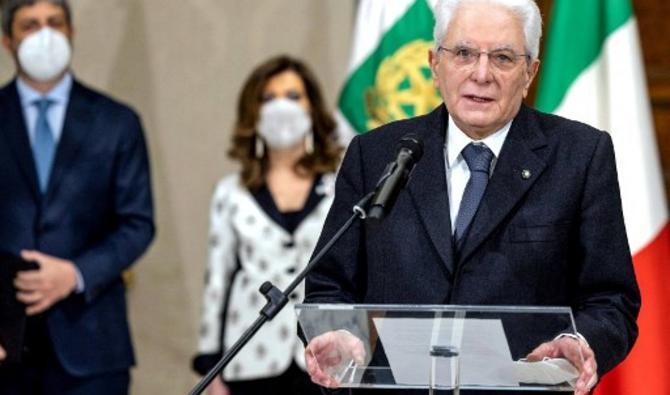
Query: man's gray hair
x=526 y=10
x=9 y=8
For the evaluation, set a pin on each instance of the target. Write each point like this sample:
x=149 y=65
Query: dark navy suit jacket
x=97 y=212
x=555 y=238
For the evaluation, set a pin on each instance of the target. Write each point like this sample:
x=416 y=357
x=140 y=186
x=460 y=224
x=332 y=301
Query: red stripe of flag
x=647 y=369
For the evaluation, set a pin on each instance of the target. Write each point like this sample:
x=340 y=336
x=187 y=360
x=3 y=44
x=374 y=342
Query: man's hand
x=332 y=351
x=40 y=289
x=218 y=387
x=3 y=354
x=575 y=351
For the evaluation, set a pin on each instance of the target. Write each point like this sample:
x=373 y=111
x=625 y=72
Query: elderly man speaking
x=508 y=206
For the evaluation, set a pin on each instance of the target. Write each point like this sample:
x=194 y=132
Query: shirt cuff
x=577 y=336
x=79 y=288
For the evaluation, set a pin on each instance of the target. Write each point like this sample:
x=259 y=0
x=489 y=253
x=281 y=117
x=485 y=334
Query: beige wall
x=180 y=63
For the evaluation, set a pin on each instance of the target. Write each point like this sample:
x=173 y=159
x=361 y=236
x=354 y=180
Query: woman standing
x=264 y=224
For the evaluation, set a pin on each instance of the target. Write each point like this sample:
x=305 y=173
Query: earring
x=309 y=143
x=259 y=147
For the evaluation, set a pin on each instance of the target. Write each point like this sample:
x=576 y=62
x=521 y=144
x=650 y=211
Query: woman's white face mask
x=44 y=54
x=283 y=123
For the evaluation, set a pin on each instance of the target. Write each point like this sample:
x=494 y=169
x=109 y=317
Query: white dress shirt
x=458 y=172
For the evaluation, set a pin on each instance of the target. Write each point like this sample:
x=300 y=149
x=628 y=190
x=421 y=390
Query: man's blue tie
x=44 y=145
x=478 y=157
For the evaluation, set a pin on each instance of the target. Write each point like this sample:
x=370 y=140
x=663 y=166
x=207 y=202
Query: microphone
x=396 y=174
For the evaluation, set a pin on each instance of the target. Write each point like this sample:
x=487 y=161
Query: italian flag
x=593 y=72
x=389 y=76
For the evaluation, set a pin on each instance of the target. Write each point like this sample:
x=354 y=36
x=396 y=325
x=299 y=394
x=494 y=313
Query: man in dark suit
x=508 y=206
x=75 y=198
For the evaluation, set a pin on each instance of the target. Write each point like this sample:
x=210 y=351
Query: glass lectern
x=439 y=347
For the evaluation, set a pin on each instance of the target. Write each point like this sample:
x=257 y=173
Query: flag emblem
x=403 y=86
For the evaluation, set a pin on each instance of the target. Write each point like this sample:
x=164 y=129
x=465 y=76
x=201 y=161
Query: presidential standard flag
x=593 y=72
x=389 y=75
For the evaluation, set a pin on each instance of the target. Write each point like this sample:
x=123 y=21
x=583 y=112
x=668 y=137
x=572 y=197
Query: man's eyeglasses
x=502 y=59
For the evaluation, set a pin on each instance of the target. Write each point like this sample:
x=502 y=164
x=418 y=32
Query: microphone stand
x=277 y=299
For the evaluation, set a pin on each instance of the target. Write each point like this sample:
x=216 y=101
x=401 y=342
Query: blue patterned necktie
x=44 y=145
x=478 y=158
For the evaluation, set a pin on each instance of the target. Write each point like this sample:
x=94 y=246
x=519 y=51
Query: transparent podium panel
x=437 y=347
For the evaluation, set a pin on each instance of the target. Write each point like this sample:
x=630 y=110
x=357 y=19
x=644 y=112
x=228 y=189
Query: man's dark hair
x=9 y=8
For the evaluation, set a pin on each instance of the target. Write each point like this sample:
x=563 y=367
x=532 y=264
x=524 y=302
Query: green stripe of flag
x=572 y=45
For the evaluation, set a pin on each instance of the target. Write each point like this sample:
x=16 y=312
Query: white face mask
x=283 y=123
x=44 y=54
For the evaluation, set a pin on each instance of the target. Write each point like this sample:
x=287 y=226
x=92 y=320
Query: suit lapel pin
x=525 y=174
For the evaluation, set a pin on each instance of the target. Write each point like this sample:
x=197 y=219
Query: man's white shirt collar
x=457 y=140
x=59 y=94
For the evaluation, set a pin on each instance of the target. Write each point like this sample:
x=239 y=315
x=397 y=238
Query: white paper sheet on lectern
x=485 y=357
